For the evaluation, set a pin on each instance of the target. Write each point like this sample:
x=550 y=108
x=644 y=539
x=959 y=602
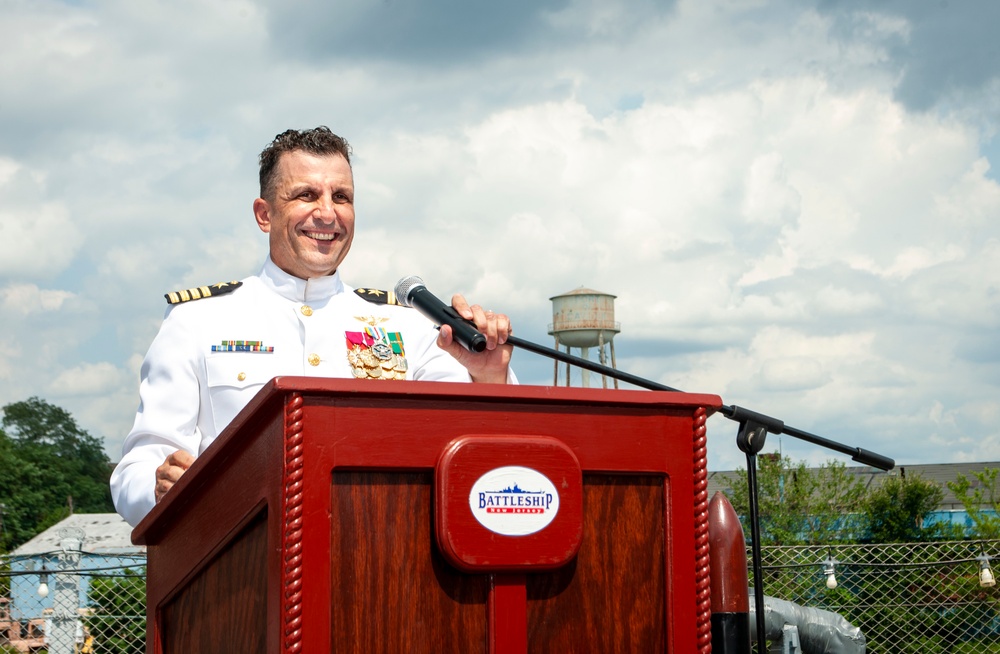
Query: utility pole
x=66 y=593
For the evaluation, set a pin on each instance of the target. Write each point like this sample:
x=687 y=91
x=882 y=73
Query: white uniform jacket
x=189 y=390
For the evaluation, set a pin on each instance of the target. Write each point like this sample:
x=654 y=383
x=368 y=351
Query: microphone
x=411 y=292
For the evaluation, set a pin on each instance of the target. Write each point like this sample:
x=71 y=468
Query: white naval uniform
x=188 y=393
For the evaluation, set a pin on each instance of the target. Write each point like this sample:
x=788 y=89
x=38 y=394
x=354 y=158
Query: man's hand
x=171 y=470
x=490 y=365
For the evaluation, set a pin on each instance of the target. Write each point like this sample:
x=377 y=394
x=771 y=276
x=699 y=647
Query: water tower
x=584 y=318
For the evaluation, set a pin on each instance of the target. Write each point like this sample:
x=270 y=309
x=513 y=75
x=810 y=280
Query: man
x=296 y=317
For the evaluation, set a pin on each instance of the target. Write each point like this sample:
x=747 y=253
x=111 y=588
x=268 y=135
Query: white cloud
x=28 y=298
x=779 y=227
x=38 y=236
x=89 y=379
x=8 y=356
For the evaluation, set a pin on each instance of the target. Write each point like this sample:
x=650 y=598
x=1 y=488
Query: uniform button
x=241 y=376
x=313 y=359
x=306 y=310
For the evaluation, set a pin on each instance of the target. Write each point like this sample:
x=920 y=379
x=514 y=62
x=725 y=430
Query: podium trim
x=293 y=483
x=703 y=586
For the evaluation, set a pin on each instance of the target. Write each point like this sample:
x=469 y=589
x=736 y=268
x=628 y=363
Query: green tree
x=119 y=621
x=835 y=515
x=49 y=467
x=895 y=511
x=797 y=505
x=981 y=501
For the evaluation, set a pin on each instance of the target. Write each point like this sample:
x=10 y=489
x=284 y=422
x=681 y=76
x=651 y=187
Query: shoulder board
x=200 y=292
x=376 y=296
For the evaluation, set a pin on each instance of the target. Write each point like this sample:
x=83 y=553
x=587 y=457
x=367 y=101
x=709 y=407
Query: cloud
x=28 y=298
x=941 y=49
x=38 y=236
x=792 y=203
x=446 y=33
x=89 y=379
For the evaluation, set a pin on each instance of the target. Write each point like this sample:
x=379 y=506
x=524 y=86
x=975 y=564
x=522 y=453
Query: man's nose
x=326 y=209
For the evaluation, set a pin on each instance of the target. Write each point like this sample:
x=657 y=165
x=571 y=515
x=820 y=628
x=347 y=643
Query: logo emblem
x=514 y=501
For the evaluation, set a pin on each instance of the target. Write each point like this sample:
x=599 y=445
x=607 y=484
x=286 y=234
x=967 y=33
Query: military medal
x=382 y=351
x=243 y=346
x=375 y=353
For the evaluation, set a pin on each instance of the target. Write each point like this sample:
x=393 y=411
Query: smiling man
x=219 y=345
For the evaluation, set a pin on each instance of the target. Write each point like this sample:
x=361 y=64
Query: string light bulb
x=830 y=570
x=43 y=582
x=986 y=578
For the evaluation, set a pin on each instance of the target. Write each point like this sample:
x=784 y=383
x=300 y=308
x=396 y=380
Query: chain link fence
x=73 y=602
x=907 y=598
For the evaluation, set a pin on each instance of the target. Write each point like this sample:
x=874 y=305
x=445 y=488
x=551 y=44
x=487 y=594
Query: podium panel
x=313 y=525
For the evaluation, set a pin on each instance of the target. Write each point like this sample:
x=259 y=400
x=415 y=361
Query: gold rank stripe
x=376 y=296
x=201 y=292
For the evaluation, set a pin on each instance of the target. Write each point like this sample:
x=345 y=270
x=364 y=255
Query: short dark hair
x=319 y=140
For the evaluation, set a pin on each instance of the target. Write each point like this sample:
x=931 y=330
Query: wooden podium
x=356 y=516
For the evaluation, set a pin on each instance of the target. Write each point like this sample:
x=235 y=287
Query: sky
x=795 y=203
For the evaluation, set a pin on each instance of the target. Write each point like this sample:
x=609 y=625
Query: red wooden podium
x=354 y=516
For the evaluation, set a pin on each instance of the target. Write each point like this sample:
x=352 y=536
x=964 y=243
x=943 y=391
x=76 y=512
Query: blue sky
x=795 y=203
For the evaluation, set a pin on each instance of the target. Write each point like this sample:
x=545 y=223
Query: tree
x=798 y=505
x=119 y=621
x=835 y=513
x=982 y=503
x=49 y=467
x=895 y=511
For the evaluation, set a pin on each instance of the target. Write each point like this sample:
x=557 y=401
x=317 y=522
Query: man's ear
x=262 y=213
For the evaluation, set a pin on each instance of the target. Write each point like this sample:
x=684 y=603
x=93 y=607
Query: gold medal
x=368 y=359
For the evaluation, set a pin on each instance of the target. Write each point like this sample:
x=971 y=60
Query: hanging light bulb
x=829 y=569
x=986 y=578
x=43 y=582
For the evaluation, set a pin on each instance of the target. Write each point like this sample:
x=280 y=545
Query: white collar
x=300 y=290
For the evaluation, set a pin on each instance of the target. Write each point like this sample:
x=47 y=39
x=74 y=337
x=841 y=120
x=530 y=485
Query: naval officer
x=219 y=344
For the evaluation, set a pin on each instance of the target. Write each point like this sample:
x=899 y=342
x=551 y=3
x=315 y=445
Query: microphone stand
x=750 y=437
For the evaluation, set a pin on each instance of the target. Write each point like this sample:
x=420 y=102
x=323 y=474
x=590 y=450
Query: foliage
x=907 y=598
x=115 y=597
x=895 y=510
x=982 y=502
x=48 y=464
x=835 y=503
x=828 y=505
x=798 y=505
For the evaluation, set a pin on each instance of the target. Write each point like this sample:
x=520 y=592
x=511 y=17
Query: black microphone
x=411 y=292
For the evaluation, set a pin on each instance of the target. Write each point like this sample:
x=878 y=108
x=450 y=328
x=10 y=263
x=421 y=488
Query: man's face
x=310 y=219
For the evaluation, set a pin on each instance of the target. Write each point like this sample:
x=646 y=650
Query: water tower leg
x=604 y=359
x=613 y=364
x=586 y=373
x=555 y=375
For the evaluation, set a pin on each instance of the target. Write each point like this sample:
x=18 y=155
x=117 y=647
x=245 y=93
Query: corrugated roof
x=582 y=291
x=940 y=473
x=106 y=533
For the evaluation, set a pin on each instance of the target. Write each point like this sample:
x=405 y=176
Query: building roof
x=940 y=473
x=105 y=533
